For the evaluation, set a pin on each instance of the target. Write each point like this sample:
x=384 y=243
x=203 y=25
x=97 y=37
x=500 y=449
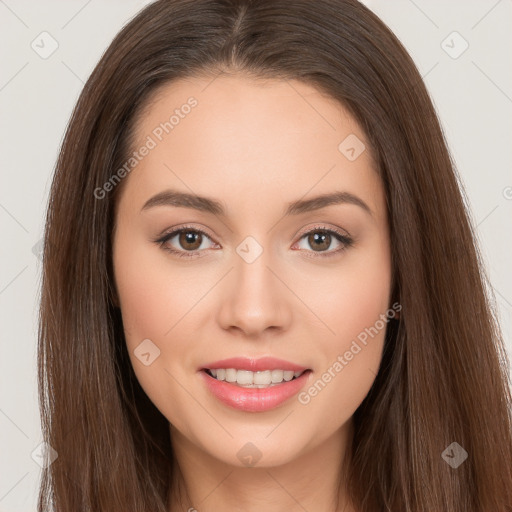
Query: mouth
x=254 y=385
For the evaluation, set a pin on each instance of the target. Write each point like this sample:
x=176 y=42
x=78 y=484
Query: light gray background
x=472 y=93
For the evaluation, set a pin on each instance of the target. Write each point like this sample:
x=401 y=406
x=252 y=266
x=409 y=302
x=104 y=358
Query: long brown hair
x=444 y=374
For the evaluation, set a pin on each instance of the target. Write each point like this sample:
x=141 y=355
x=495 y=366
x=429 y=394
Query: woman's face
x=261 y=269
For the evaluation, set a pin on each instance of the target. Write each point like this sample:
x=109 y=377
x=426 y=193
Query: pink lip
x=254 y=399
x=254 y=365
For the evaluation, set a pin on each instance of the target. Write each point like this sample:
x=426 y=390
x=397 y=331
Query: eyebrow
x=208 y=205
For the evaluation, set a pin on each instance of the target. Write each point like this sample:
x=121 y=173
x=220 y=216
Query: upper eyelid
x=175 y=231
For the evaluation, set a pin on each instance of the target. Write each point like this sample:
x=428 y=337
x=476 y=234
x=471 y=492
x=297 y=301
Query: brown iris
x=190 y=237
x=320 y=240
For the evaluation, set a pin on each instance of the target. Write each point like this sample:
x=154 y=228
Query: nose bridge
x=254 y=298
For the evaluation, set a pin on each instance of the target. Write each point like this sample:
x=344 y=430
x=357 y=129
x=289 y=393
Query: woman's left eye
x=322 y=238
x=191 y=241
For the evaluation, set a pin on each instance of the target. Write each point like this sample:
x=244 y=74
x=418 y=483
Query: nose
x=255 y=298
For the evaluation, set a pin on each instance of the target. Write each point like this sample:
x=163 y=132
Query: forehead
x=235 y=136
x=245 y=108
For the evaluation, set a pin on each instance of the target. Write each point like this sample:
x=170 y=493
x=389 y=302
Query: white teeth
x=244 y=377
x=277 y=375
x=230 y=375
x=262 y=377
x=250 y=379
x=288 y=375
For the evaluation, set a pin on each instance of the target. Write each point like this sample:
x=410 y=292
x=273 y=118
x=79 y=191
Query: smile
x=254 y=385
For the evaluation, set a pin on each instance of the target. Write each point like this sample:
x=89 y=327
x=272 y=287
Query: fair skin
x=255 y=147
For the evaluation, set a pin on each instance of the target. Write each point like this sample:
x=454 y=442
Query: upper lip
x=254 y=365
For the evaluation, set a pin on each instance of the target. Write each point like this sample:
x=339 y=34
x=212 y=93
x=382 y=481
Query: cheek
x=352 y=296
x=142 y=298
x=151 y=297
x=155 y=297
x=147 y=299
x=152 y=302
x=350 y=304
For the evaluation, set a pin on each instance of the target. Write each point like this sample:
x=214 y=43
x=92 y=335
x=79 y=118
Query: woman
x=260 y=286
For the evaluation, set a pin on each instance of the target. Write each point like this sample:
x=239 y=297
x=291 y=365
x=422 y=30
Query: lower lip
x=254 y=399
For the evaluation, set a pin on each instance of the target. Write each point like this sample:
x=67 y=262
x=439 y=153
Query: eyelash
x=343 y=238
